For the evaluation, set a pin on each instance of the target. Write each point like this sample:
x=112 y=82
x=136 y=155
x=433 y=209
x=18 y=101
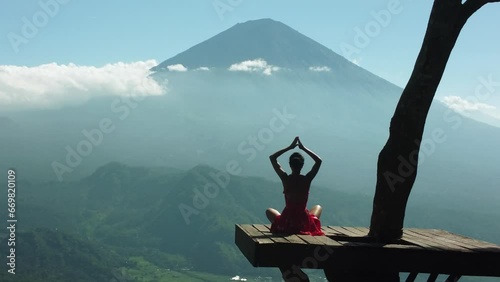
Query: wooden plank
x=261 y=250
x=256 y=235
x=295 y=239
x=346 y=238
x=312 y=240
x=434 y=241
x=317 y=240
x=265 y=230
x=325 y=240
x=417 y=242
x=289 y=238
x=474 y=243
x=356 y=231
x=360 y=235
x=458 y=238
x=327 y=231
x=348 y=232
x=339 y=231
x=261 y=227
x=282 y=238
x=364 y=230
x=357 y=235
x=268 y=226
x=279 y=239
x=447 y=241
x=245 y=243
x=423 y=241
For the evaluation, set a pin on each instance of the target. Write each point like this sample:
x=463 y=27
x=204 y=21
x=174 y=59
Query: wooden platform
x=347 y=249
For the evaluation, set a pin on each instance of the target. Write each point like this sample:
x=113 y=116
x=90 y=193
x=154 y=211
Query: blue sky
x=95 y=33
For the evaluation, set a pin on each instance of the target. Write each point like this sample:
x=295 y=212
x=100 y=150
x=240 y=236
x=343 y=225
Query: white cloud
x=356 y=61
x=53 y=85
x=257 y=65
x=202 y=69
x=320 y=69
x=178 y=67
x=479 y=111
x=462 y=105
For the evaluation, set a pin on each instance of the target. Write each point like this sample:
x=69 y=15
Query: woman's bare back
x=296 y=188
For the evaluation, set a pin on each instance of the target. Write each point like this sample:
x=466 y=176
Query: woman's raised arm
x=317 y=161
x=274 y=158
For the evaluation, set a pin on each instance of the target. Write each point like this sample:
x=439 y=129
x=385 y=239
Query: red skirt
x=297 y=220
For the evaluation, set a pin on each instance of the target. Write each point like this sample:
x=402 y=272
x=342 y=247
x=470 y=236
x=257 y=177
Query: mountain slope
x=51 y=255
x=270 y=40
x=278 y=45
x=219 y=116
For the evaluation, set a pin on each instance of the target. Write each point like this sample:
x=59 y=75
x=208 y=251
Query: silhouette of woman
x=295 y=218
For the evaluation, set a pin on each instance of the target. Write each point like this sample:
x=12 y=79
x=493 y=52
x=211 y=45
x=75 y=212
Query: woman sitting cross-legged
x=295 y=218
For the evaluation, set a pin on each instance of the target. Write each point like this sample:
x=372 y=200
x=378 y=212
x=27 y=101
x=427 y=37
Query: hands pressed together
x=296 y=142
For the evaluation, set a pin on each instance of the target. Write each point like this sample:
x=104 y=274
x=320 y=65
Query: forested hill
x=124 y=219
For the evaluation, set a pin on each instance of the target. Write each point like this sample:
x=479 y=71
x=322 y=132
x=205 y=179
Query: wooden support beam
x=432 y=277
x=453 y=278
x=411 y=277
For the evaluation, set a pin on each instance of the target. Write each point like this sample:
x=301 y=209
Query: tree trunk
x=398 y=160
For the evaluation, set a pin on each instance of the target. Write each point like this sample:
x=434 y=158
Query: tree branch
x=471 y=6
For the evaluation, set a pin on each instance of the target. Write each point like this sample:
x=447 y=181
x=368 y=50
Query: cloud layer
x=461 y=105
x=480 y=111
x=178 y=67
x=320 y=69
x=257 y=65
x=53 y=85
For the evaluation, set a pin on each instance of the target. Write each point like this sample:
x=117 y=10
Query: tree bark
x=398 y=160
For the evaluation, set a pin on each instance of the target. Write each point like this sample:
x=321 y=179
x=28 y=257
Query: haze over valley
x=110 y=159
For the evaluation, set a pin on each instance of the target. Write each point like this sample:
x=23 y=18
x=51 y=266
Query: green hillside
x=130 y=220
